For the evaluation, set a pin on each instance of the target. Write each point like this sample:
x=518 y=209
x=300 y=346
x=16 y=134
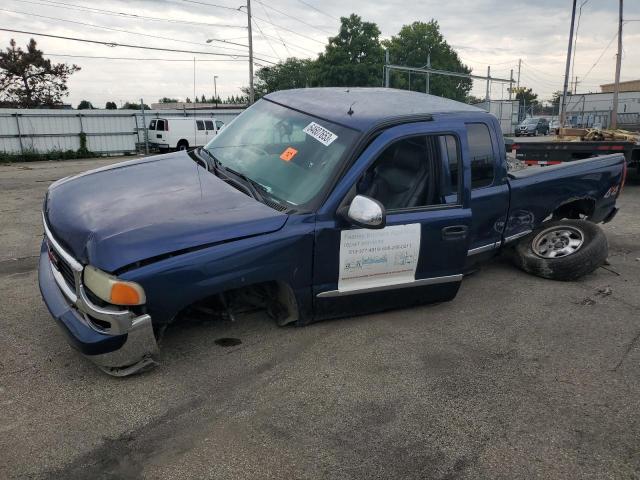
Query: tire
x=535 y=254
x=182 y=145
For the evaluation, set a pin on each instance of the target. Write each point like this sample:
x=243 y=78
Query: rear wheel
x=562 y=250
x=182 y=145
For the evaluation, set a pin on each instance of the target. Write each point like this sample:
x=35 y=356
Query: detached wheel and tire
x=562 y=250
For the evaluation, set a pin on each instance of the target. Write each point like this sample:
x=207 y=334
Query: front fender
x=173 y=284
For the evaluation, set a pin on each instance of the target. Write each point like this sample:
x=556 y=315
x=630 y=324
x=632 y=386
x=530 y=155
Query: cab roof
x=368 y=106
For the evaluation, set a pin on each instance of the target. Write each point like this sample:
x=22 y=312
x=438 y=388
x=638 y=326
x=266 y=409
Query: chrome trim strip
x=120 y=320
x=517 y=235
x=62 y=284
x=483 y=248
x=73 y=263
x=415 y=283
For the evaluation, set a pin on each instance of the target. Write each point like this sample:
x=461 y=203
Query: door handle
x=455 y=232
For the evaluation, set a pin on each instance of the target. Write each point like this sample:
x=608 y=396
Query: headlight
x=111 y=290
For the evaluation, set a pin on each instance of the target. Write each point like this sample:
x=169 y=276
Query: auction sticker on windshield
x=324 y=136
x=377 y=258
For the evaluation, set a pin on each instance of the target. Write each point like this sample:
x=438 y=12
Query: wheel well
x=181 y=141
x=576 y=209
x=276 y=298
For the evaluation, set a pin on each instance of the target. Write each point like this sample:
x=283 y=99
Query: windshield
x=291 y=154
x=530 y=121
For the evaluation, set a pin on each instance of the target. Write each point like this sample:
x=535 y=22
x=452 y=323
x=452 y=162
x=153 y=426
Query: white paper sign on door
x=375 y=258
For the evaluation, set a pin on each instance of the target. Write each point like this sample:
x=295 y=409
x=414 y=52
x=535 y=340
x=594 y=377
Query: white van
x=181 y=133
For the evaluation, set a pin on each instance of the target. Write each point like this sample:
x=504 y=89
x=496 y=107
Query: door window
x=160 y=125
x=152 y=125
x=481 y=153
x=209 y=124
x=200 y=124
x=415 y=172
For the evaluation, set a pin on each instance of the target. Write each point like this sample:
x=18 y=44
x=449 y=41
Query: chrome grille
x=62 y=266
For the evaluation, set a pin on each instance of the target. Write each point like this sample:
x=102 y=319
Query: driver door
x=416 y=174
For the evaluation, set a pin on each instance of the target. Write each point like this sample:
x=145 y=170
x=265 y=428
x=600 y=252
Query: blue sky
x=484 y=32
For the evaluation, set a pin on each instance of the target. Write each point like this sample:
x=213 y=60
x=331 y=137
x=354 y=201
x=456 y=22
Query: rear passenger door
x=489 y=189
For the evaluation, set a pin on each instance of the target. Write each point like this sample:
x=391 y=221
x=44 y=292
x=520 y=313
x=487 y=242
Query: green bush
x=33 y=156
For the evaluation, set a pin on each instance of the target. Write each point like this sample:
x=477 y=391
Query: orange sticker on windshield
x=288 y=154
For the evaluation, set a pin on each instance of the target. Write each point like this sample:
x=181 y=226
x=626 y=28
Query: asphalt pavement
x=518 y=377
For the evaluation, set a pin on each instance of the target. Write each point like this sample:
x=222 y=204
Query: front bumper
x=119 y=354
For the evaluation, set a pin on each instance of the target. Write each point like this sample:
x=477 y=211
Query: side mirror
x=366 y=212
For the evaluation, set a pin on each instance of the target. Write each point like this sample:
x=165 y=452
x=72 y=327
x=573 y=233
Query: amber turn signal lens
x=124 y=294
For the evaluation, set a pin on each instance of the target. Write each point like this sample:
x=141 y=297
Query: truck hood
x=133 y=211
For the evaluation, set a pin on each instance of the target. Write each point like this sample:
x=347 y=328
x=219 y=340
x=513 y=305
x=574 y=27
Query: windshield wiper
x=253 y=186
x=256 y=189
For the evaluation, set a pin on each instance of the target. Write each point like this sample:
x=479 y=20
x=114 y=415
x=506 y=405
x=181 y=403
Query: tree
x=472 y=99
x=134 y=106
x=292 y=73
x=85 y=105
x=111 y=106
x=526 y=96
x=412 y=46
x=27 y=79
x=352 y=58
x=168 y=100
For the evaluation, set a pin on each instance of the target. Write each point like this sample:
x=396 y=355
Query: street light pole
x=215 y=90
x=251 y=91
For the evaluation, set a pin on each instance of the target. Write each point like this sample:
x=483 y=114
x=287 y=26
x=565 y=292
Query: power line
x=318 y=10
x=289 y=30
x=81 y=8
x=120 y=29
x=233 y=9
x=601 y=55
x=268 y=41
x=143 y=59
x=293 y=18
x=115 y=44
x=266 y=12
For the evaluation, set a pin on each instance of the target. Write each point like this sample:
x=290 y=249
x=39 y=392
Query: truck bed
x=536 y=191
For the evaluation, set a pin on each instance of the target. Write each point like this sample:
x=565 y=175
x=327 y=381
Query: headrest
x=409 y=155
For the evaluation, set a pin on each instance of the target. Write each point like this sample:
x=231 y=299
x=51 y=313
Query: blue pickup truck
x=312 y=204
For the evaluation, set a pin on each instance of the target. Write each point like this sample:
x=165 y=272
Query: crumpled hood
x=132 y=211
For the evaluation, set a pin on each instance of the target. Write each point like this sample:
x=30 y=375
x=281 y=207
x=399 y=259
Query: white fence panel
x=107 y=131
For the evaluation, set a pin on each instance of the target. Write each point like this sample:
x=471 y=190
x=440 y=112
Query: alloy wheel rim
x=557 y=242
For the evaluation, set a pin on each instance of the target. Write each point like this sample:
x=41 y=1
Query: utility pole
x=428 y=74
x=511 y=84
x=616 y=88
x=487 y=95
x=386 y=68
x=519 y=66
x=563 y=102
x=251 y=91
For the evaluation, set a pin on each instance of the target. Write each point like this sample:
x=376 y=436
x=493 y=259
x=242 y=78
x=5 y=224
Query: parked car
x=181 y=133
x=554 y=127
x=312 y=204
x=532 y=126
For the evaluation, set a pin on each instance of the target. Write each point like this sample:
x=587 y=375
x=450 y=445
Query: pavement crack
x=632 y=344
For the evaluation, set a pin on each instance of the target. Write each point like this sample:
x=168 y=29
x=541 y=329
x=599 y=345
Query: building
x=196 y=106
x=594 y=109
x=628 y=86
